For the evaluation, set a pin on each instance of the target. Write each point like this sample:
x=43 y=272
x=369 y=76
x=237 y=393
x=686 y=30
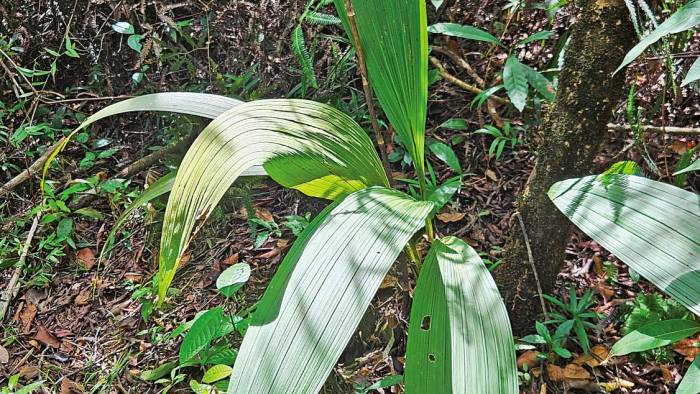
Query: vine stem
x=368 y=93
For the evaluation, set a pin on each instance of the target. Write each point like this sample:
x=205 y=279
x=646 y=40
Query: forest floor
x=76 y=322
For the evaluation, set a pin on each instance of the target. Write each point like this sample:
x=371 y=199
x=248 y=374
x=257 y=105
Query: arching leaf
x=459 y=334
x=465 y=31
x=198 y=104
x=302 y=144
x=320 y=292
x=684 y=19
x=651 y=226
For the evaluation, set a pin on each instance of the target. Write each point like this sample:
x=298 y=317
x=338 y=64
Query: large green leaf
x=515 y=81
x=695 y=166
x=464 y=31
x=691 y=381
x=655 y=335
x=652 y=226
x=459 y=334
x=684 y=19
x=302 y=144
x=198 y=104
x=395 y=41
x=321 y=291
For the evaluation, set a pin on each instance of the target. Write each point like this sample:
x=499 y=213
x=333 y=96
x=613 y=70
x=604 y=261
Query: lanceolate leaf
x=304 y=57
x=693 y=73
x=396 y=52
x=198 y=104
x=695 y=166
x=651 y=226
x=302 y=144
x=321 y=290
x=515 y=81
x=655 y=335
x=464 y=31
x=459 y=335
x=539 y=82
x=684 y=19
x=691 y=381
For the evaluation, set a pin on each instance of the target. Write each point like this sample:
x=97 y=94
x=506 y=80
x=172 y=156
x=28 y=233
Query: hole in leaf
x=431 y=357
x=425 y=324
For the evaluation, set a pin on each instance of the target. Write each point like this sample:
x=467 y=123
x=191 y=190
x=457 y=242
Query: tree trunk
x=573 y=131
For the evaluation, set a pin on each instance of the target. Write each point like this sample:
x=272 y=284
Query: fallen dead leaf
x=29 y=372
x=4 y=355
x=27 y=317
x=231 y=260
x=543 y=388
x=85 y=258
x=604 y=290
x=83 y=298
x=679 y=147
x=264 y=214
x=666 y=373
x=45 y=337
x=389 y=281
x=598 y=354
x=569 y=372
x=598 y=266
x=70 y=387
x=450 y=217
x=616 y=385
x=528 y=358
x=689 y=347
x=491 y=175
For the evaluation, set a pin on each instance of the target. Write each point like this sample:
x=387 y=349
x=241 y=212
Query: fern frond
x=319 y=18
x=308 y=76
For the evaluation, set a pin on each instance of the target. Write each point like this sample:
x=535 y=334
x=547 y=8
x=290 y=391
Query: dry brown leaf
x=569 y=372
x=543 y=388
x=689 y=347
x=598 y=266
x=27 y=317
x=231 y=260
x=70 y=387
x=598 y=354
x=528 y=358
x=4 y=355
x=666 y=373
x=680 y=147
x=389 y=281
x=83 y=298
x=85 y=258
x=604 y=290
x=45 y=337
x=616 y=385
x=29 y=372
x=491 y=175
x=450 y=217
x=264 y=214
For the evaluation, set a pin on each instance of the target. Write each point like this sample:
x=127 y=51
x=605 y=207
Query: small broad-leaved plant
x=459 y=333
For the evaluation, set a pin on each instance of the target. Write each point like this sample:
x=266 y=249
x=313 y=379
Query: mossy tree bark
x=573 y=130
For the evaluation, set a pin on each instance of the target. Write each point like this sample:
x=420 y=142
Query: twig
x=368 y=93
x=468 y=87
x=532 y=263
x=462 y=63
x=146 y=161
x=657 y=129
x=13 y=286
x=35 y=168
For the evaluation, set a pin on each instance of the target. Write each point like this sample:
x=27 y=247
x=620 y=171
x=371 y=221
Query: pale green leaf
x=217 y=372
x=159 y=372
x=232 y=279
x=322 y=289
x=198 y=104
x=691 y=381
x=655 y=335
x=695 y=166
x=651 y=226
x=308 y=146
x=455 y=124
x=693 y=73
x=396 y=52
x=515 y=81
x=684 y=19
x=464 y=31
x=123 y=28
x=459 y=334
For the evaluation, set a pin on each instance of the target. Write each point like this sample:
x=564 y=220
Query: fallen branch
x=13 y=286
x=657 y=129
x=468 y=87
x=146 y=161
x=35 y=168
x=532 y=263
x=462 y=63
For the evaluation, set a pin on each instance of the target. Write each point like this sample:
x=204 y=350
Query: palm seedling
x=459 y=334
